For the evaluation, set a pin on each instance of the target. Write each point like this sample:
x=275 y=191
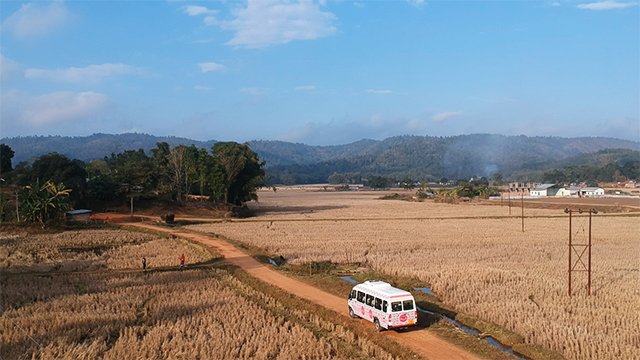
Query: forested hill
x=418 y=157
x=456 y=157
x=87 y=148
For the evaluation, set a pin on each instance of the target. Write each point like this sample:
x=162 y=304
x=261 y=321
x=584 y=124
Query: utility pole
x=17 y=206
x=509 y=202
x=522 y=206
x=580 y=249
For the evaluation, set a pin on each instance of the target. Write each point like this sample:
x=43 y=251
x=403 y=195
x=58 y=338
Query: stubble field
x=82 y=295
x=476 y=258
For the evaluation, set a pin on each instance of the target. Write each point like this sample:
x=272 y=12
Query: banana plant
x=44 y=203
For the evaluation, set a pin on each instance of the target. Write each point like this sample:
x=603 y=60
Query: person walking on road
x=144 y=263
x=181 y=260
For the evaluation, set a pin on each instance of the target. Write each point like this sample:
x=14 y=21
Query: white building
x=581 y=191
x=545 y=190
x=591 y=191
x=568 y=191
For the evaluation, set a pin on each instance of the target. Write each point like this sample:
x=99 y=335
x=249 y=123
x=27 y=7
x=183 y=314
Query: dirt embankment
x=420 y=341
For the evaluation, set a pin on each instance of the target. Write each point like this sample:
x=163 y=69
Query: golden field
x=91 y=250
x=94 y=302
x=476 y=258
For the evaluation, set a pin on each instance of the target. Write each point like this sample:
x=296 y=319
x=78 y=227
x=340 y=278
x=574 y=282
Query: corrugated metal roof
x=78 y=212
x=544 y=186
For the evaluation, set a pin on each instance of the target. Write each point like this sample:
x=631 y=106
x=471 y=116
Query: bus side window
x=352 y=294
x=384 y=306
x=378 y=304
x=369 y=300
x=396 y=306
x=360 y=296
x=408 y=305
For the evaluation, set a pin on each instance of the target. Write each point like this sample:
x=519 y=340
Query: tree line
x=229 y=174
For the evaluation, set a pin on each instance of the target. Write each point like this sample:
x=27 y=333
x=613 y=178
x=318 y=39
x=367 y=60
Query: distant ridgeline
x=414 y=157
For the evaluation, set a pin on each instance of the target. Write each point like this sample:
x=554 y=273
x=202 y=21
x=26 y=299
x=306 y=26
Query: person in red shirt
x=181 y=260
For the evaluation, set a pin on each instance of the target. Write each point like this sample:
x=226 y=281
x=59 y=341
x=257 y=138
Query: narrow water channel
x=467 y=330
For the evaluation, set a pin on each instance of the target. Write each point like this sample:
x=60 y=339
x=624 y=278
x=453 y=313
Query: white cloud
x=605 y=5
x=265 y=23
x=50 y=109
x=210 y=66
x=201 y=88
x=210 y=21
x=88 y=74
x=379 y=91
x=35 y=19
x=305 y=88
x=8 y=68
x=209 y=14
x=447 y=115
x=194 y=10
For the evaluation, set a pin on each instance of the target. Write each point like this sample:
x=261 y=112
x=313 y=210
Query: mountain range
x=418 y=157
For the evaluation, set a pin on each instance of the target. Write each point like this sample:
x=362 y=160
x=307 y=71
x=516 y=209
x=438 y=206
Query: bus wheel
x=376 y=323
x=351 y=313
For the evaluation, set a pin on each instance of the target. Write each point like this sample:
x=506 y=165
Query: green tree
x=100 y=183
x=133 y=171
x=6 y=154
x=160 y=164
x=216 y=180
x=378 y=182
x=60 y=169
x=243 y=171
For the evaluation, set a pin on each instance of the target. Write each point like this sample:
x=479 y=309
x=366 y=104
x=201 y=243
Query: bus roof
x=382 y=288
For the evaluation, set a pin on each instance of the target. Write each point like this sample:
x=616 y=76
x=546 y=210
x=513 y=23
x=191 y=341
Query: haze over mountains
x=418 y=157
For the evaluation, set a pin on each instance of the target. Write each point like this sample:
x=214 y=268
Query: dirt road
x=422 y=342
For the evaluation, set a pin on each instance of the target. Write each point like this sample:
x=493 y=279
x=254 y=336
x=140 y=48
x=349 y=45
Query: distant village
x=573 y=190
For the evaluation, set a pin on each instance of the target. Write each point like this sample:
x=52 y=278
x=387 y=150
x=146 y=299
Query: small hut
x=80 y=215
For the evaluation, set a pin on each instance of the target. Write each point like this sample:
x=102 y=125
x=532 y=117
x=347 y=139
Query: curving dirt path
x=422 y=342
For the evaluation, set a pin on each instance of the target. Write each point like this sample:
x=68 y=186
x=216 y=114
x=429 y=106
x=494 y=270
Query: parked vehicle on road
x=384 y=305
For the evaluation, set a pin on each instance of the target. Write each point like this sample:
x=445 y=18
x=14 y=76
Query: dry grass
x=194 y=314
x=480 y=266
x=91 y=250
x=115 y=314
x=311 y=205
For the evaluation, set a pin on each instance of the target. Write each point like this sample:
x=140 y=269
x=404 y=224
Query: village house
x=580 y=191
x=522 y=188
x=545 y=190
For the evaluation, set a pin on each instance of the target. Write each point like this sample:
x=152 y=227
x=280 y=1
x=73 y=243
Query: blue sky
x=320 y=72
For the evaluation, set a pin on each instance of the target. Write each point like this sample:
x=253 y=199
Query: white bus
x=379 y=302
